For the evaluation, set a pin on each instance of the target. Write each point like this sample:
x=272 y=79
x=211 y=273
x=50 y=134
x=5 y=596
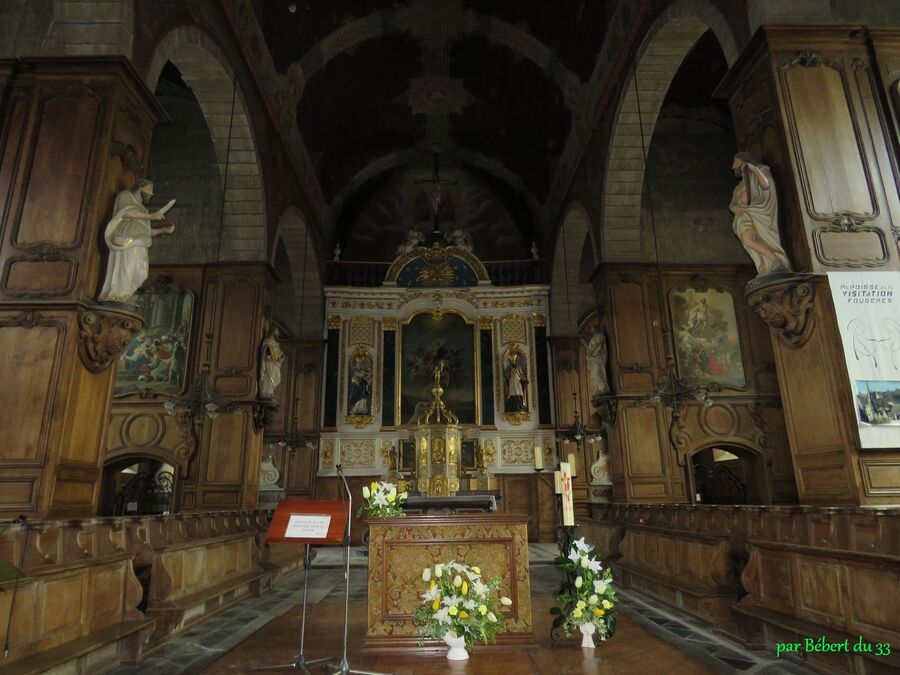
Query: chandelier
x=577 y=432
x=201 y=397
x=295 y=440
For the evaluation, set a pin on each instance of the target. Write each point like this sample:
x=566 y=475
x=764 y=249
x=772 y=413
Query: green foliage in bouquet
x=586 y=594
x=457 y=600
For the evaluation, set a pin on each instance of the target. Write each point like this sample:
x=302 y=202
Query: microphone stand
x=344 y=667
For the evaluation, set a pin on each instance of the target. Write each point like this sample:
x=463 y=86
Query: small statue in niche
x=535 y=254
x=271 y=356
x=516 y=381
x=414 y=238
x=597 y=357
x=337 y=252
x=460 y=239
x=129 y=236
x=754 y=204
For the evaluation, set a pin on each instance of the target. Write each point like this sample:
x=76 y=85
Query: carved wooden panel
x=225 y=459
x=30 y=369
x=641 y=440
x=238 y=333
x=630 y=343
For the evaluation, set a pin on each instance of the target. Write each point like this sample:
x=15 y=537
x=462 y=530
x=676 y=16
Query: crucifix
x=436 y=196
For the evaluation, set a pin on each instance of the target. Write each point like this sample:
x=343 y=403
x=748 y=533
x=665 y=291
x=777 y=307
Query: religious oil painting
x=426 y=341
x=707 y=343
x=878 y=402
x=154 y=361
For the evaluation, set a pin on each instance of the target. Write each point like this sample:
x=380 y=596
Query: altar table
x=400 y=548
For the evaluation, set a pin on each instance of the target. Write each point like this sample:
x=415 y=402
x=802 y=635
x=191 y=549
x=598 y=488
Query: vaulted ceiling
x=380 y=85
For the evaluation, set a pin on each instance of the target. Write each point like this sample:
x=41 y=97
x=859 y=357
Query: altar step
x=328 y=557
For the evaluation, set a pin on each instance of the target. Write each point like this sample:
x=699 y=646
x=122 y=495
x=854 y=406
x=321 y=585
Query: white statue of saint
x=755 y=208
x=129 y=237
x=414 y=238
x=271 y=357
x=600 y=470
x=597 y=355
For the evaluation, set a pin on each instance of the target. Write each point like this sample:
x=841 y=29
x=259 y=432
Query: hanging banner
x=867 y=305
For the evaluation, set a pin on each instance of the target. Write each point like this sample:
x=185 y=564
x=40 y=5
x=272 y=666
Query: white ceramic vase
x=457 y=651
x=587 y=633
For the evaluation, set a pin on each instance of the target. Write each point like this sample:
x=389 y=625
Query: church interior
x=312 y=313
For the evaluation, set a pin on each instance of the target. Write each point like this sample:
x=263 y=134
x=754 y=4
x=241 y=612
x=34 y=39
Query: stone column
x=74 y=132
x=814 y=104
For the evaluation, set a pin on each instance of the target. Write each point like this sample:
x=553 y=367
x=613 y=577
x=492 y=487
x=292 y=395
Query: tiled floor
x=195 y=650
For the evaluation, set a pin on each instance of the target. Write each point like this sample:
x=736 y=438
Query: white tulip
x=426 y=574
x=600 y=587
x=506 y=602
x=578 y=582
x=393 y=491
x=492 y=617
x=584 y=561
x=591 y=600
x=457 y=581
x=438 y=571
x=366 y=493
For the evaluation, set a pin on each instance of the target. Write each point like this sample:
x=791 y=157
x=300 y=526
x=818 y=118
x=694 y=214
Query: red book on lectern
x=309 y=521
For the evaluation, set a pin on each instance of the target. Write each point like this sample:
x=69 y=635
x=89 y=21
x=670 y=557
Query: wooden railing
x=197 y=563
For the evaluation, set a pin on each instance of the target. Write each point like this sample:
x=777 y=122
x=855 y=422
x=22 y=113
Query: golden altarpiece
x=436 y=310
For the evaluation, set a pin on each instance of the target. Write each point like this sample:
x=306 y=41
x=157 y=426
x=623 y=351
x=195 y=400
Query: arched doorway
x=728 y=474
x=137 y=485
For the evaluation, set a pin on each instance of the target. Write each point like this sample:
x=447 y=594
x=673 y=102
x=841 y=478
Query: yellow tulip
x=391 y=499
x=598 y=612
x=577 y=613
x=482 y=609
x=465 y=588
x=433 y=584
x=464 y=614
x=606 y=604
x=436 y=604
x=452 y=611
x=374 y=486
x=476 y=570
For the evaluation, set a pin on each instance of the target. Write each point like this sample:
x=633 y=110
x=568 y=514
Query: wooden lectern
x=311 y=522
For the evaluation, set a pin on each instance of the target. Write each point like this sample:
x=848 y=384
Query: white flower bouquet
x=460 y=603
x=382 y=500
x=586 y=595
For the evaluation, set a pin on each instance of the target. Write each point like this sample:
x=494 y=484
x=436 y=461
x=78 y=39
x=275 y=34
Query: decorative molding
x=333 y=322
x=488 y=450
x=519 y=451
x=635 y=368
x=516 y=418
x=358 y=453
x=486 y=323
x=806 y=59
x=362 y=330
x=262 y=413
x=327 y=453
x=389 y=323
x=104 y=336
x=540 y=320
x=606 y=408
x=512 y=328
x=786 y=307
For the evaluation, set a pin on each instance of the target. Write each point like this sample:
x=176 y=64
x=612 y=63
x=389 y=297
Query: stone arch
x=307 y=281
x=205 y=69
x=661 y=53
x=567 y=308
